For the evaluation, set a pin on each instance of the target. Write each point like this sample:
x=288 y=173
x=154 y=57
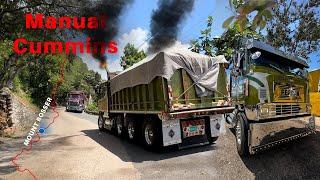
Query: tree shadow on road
x=134 y=152
x=299 y=159
x=13 y=146
x=7 y=169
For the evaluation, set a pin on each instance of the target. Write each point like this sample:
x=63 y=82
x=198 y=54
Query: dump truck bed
x=163 y=95
x=170 y=81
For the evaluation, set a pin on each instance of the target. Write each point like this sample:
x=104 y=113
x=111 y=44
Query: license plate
x=193 y=128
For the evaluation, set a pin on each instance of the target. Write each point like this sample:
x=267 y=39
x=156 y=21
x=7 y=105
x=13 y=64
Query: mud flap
x=217 y=125
x=171 y=132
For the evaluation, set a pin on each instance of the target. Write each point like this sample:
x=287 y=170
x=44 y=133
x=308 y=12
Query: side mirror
x=256 y=55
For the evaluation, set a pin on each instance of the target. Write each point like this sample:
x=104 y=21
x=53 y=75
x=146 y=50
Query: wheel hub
x=149 y=135
x=119 y=127
x=100 y=122
x=130 y=130
x=238 y=132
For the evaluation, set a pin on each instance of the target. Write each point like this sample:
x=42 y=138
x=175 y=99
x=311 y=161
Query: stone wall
x=15 y=115
x=5 y=111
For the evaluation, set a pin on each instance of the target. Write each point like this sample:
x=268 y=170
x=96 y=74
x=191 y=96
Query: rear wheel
x=101 y=122
x=151 y=134
x=241 y=132
x=213 y=139
x=132 y=130
x=119 y=126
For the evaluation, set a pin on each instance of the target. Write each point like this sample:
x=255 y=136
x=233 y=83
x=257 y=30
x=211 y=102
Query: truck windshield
x=280 y=64
x=74 y=96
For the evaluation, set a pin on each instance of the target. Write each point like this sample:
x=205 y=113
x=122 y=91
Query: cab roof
x=256 y=44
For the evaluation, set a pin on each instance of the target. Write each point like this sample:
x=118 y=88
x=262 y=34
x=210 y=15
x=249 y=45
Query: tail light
x=170 y=96
x=170 y=92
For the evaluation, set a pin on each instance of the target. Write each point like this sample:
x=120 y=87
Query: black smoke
x=165 y=22
x=112 y=10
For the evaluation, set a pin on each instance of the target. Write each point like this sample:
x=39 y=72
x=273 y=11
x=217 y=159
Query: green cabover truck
x=270 y=92
x=171 y=97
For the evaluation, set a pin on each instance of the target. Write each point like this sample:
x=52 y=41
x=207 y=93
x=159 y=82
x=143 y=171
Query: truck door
x=237 y=79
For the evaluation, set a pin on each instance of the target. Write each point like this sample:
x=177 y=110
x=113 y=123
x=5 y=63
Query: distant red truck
x=76 y=101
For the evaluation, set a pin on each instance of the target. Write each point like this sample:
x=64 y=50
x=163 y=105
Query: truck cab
x=269 y=89
x=76 y=101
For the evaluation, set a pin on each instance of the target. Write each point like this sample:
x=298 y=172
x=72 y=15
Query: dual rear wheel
x=149 y=131
x=151 y=134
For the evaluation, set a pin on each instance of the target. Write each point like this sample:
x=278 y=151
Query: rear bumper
x=172 y=131
x=195 y=112
x=265 y=135
x=75 y=108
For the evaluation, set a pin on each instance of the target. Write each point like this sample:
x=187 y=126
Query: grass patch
x=93 y=107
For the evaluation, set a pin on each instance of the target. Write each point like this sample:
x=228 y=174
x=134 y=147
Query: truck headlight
x=264 y=111
x=267 y=110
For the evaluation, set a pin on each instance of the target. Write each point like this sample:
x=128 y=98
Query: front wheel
x=241 y=132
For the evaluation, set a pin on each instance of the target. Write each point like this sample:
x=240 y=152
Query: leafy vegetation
x=285 y=21
x=131 y=56
x=295 y=26
x=224 y=45
x=242 y=9
x=93 y=107
x=37 y=75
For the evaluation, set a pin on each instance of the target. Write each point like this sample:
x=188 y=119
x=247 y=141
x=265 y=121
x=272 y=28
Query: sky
x=134 y=29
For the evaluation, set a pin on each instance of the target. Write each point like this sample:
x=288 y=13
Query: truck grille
x=73 y=103
x=262 y=93
x=287 y=109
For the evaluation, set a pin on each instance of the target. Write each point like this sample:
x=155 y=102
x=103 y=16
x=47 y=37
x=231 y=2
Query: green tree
x=131 y=56
x=205 y=41
x=39 y=77
x=38 y=74
x=226 y=44
x=295 y=26
x=12 y=26
x=243 y=9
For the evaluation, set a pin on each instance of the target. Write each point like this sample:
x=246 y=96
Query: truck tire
x=101 y=122
x=241 y=132
x=151 y=136
x=212 y=139
x=119 y=126
x=132 y=130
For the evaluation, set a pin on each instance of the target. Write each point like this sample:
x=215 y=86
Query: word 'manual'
x=39 y=21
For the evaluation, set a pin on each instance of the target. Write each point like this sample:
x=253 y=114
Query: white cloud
x=138 y=37
x=180 y=45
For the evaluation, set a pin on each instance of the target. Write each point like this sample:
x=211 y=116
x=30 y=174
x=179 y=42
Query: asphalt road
x=75 y=149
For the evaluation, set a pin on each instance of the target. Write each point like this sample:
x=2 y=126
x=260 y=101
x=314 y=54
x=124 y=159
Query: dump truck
x=76 y=101
x=314 y=82
x=270 y=92
x=174 y=97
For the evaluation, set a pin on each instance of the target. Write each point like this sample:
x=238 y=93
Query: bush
x=93 y=107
